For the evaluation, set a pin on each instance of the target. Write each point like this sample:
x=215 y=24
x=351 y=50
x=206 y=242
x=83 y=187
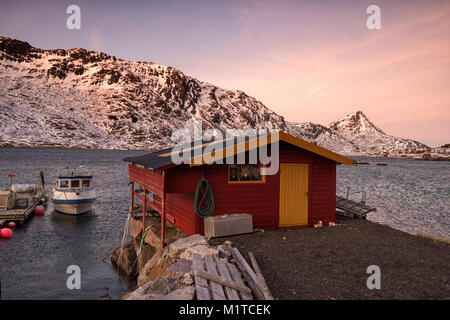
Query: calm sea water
x=33 y=262
x=410 y=196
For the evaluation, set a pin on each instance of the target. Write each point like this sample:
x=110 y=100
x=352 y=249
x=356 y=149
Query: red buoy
x=6 y=233
x=39 y=210
x=11 y=224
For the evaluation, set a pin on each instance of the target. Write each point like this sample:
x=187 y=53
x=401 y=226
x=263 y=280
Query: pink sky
x=310 y=60
x=315 y=68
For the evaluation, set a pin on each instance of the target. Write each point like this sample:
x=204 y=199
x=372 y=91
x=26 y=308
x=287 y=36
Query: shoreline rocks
x=126 y=264
x=167 y=274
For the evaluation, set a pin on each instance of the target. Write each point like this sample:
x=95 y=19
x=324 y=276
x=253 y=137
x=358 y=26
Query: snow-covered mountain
x=324 y=137
x=79 y=98
x=355 y=134
x=85 y=99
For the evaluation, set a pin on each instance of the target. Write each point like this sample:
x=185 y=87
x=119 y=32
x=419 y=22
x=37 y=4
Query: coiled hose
x=205 y=207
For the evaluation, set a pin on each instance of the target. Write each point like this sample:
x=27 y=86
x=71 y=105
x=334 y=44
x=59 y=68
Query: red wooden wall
x=259 y=199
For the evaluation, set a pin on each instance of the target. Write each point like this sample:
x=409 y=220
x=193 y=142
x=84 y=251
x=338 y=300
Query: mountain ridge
x=77 y=98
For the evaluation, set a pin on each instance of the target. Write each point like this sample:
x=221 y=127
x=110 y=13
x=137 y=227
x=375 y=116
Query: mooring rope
x=140 y=248
x=125 y=233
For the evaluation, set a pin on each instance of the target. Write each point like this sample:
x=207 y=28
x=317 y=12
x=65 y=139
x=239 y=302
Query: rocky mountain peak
x=356 y=123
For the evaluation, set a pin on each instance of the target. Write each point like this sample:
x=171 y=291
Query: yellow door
x=293 y=194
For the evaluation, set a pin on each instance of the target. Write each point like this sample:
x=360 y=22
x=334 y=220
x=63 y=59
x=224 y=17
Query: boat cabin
x=76 y=182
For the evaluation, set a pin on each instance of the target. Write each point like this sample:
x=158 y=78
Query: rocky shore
x=162 y=274
x=316 y=263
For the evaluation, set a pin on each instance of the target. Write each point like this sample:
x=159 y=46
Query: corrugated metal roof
x=162 y=158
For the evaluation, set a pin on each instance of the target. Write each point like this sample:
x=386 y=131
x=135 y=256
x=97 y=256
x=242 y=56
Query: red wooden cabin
x=300 y=194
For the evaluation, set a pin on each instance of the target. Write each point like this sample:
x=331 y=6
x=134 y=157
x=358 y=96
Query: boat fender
x=39 y=210
x=6 y=233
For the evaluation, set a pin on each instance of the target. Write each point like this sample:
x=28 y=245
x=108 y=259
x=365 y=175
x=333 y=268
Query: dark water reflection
x=33 y=262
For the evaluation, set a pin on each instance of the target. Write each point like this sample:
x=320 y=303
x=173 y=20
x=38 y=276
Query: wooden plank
x=231 y=293
x=237 y=278
x=220 y=281
x=201 y=284
x=216 y=288
x=259 y=275
x=249 y=274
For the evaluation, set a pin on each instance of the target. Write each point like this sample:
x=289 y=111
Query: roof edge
x=314 y=148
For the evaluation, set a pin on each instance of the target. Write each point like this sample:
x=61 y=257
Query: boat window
x=75 y=184
x=242 y=173
x=86 y=183
x=64 y=183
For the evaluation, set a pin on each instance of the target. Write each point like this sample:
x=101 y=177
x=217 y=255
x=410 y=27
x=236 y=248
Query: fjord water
x=410 y=195
x=34 y=261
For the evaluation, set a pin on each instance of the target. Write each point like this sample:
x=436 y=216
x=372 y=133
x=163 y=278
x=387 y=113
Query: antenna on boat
x=11 y=176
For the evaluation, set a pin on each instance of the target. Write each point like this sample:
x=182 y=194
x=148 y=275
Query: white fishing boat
x=73 y=193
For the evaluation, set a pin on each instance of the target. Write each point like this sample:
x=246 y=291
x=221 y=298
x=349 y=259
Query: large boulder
x=186 y=293
x=178 y=247
x=163 y=289
x=155 y=267
x=146 y=252
x=179 y=268
x=202 y=250
x=124 y=259
x=135 y=228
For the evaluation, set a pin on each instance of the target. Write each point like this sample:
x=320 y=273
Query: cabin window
x=75 y=184
x=245 y=173
x=86 y=183
x=64 y=183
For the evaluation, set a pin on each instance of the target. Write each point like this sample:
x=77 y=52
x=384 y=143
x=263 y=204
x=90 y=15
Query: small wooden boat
x=73 y=193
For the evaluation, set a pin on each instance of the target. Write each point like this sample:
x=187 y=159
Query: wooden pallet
x=216 y=279
x=352 y=208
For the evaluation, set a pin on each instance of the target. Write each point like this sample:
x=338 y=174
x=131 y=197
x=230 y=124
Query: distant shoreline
x=75 y=148
x=438 y=158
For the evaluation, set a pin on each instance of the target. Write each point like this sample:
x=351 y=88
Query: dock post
x=163 y=211
x=144 y=208
x=132 y=199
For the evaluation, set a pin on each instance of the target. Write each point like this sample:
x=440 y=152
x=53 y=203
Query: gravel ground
x=331 y=262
